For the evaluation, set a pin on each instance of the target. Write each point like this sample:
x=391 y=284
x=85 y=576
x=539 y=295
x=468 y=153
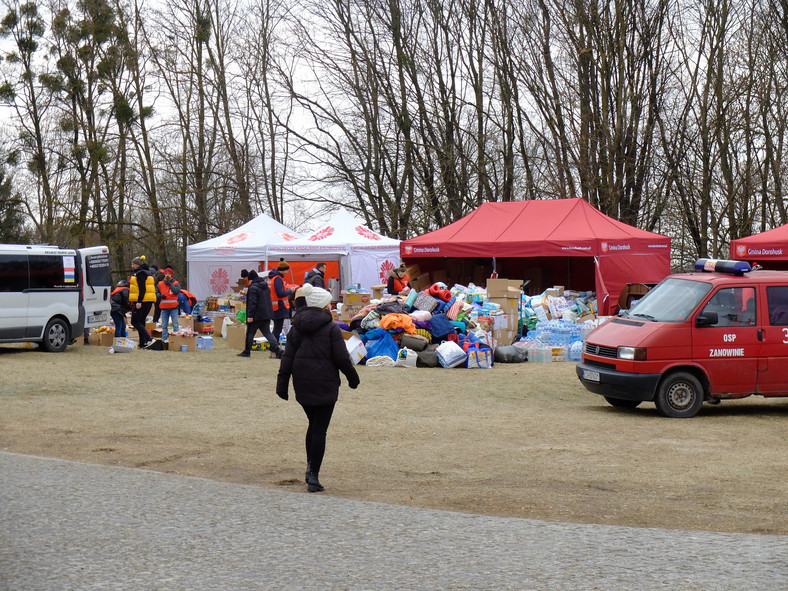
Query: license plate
x=591 y=376
x=97 y=318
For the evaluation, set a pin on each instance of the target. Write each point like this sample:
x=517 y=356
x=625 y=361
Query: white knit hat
x=316 y=297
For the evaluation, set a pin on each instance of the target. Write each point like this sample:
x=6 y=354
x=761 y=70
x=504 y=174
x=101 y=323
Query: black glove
x=353 y=383
x=282 y=395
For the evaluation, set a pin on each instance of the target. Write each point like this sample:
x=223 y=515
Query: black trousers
x=278 y=324
x=264 y=326
x=138 y=318
x=319 y=419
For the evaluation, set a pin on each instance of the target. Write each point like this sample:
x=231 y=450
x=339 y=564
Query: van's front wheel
x=56 y=336
x=680 y=396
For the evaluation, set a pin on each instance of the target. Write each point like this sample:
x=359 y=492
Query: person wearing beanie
x=317 y=276
x=258 y=315
x=280 y=296
x=398 y=280
x=142 y=295
x=119 y=307
x=314 y=356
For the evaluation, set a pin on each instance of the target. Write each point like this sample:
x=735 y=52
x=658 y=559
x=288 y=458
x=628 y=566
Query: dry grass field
x=521 y=440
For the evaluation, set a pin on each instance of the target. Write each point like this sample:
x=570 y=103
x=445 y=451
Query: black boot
x=313 y=484
x=244 y=354
x=308 y=472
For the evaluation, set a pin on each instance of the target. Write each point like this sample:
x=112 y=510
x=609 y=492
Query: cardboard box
x=378 y=291
x=352 y=303
x=503 y=288
x=504 y=337
x=413 y=271
x=202 y=327
x=176 y=342
x=126 y=345
x=500 y=321
x=218 y=321
x=421 y=282
x=149 y=326
x=204 y=343
x=101 y=339
x=236 y=336
x=132 y=333
x=439 y=276
x=355 y=347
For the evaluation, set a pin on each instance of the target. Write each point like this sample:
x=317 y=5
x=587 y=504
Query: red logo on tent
x=236 y=238
x=366 y=233
x=286 y=236
x=408 y=250
x=385 y=268
x=220 y=281
x=322 y=234
x=604 y=247
x=741 y=250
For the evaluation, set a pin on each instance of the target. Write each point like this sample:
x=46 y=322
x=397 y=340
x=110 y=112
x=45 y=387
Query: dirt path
x=518 y=440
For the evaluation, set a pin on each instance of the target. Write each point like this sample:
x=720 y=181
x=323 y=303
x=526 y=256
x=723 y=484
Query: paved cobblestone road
x=70 y=525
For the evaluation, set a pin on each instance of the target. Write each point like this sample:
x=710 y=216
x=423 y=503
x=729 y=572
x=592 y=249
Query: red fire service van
x=718 y=333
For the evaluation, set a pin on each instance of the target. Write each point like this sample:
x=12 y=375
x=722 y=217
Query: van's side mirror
x=706 y=319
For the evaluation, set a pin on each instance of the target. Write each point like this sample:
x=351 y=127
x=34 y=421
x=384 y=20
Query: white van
x=49 y=295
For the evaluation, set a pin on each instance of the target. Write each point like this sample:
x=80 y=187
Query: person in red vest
x=168 y=290
x=120 y=306
x=398 y=280
x=280 y=296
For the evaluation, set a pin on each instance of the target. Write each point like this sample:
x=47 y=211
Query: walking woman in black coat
x=314 y=355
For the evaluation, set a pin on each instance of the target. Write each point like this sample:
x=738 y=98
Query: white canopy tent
x=214 y=265
x=365 y=257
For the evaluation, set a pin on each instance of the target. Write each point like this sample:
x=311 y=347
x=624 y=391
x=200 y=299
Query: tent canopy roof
x=557 y=227
x=247 y=242
x=768 y=245
x=340 y=235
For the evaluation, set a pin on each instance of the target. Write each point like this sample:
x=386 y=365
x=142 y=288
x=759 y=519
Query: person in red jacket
x=167 y=290
x=314 y=355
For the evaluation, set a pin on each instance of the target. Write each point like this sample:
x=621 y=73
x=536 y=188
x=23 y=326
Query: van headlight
x=632 y=353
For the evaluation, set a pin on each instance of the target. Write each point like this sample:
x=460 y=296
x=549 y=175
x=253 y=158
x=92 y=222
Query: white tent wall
x=365 y=257
x=371 y=267
x=214 y=265
x=215 y=278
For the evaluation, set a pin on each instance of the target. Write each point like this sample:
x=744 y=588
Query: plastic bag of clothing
x=371 y=320
x=382 y=345
x=406 y=358
x=450 y=354
x=380 y=361
x=510 y=354
x=428 y=357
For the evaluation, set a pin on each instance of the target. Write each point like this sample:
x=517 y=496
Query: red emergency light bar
x=723 y=266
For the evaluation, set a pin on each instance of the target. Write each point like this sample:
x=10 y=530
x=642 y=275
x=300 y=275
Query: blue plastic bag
x=383 y=345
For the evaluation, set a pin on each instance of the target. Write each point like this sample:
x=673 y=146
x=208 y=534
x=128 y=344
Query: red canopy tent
x=769 y=248
x=569 y=241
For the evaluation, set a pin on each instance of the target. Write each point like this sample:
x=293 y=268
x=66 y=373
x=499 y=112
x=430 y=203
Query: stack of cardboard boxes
x=505 y=293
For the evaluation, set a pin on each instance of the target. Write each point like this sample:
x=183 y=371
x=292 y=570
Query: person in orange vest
x=120 y=306
x=142 y=294
x=168 y=290
x=280 y=296
x=398 y=280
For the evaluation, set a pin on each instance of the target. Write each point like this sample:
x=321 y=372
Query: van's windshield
x=673 y=300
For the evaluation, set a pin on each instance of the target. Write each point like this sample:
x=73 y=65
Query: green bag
x=240 y=315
